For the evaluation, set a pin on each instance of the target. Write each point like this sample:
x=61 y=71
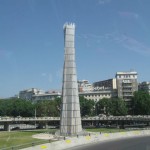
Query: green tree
x=141 y=103
x=42 y=108
x=16 y=107
x=58 y=105
x=118 y=107
x=87 y=107
x=3 y=108
x=114 y=106
x=48 y=108
x=103 y=106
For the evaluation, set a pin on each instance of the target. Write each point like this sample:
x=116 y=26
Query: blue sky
x=111 y=36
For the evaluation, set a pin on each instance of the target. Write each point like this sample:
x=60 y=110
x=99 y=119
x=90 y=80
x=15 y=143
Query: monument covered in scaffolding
x=70 y=119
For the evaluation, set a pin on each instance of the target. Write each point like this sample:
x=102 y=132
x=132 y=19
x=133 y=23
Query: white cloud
x=89 y=36
x=127 y=42
x=135 y=45
x=131 y=43
x=129 y=15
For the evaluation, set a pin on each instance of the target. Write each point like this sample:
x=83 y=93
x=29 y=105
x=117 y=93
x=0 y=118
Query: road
x=136 y=143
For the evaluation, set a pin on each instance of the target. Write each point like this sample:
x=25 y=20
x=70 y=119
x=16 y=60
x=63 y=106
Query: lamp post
x=35 y=117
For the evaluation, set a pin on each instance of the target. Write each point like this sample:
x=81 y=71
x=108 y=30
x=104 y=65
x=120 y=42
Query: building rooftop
x=127 y=72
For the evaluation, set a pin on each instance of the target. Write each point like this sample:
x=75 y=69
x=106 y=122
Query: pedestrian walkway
x=69 y=142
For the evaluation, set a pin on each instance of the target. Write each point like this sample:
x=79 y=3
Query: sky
x=111 y=36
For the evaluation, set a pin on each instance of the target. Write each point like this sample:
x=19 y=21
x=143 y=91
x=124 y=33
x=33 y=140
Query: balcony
x=126 y=90
x=127 y=86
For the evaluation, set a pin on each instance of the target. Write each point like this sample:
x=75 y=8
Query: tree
x=103 y=106
x=58 y=105
x=48 y=108
x=141 y=103
x=19 y=107
x=87 y=107
x=16 y=107
x=3 y=108
x=118 y=107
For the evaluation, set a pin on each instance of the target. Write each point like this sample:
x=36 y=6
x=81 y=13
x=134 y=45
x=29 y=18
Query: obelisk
x=70 y=119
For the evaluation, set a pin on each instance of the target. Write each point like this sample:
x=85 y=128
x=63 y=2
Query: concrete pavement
x=93 y=138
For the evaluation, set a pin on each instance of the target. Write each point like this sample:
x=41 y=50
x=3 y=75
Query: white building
x=84 y=86
x=28 y=93
x=89 y=95
x=46 y=96
x=98 y=95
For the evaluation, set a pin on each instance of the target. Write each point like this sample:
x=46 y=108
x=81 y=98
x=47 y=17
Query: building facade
x=144 y=86
x=126 y=84
x=29 y=93
x=84 y=86
x=123 y=86
x=46 y=96
x=98 y=95
x=89 y=95
x=109 y=84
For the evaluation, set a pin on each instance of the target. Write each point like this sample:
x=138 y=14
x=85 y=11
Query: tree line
x=140 y=105
x=25 y=108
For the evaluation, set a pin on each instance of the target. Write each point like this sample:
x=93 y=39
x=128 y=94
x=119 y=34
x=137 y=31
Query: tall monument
x=70 y=119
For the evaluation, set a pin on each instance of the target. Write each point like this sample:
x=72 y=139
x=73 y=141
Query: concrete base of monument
x=45 y=136
x=63 y=135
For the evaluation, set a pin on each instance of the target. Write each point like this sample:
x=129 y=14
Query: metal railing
x=26 y=119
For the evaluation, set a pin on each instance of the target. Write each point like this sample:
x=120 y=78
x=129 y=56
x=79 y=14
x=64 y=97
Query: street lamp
x=35 y=117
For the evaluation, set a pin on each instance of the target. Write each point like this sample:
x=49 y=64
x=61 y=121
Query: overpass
x=119 y=120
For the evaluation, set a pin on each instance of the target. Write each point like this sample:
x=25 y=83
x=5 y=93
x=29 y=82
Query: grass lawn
x=105 y=130
x=14 y=138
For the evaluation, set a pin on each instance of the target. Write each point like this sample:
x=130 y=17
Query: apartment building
x=145 y=86
x=126 y=84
